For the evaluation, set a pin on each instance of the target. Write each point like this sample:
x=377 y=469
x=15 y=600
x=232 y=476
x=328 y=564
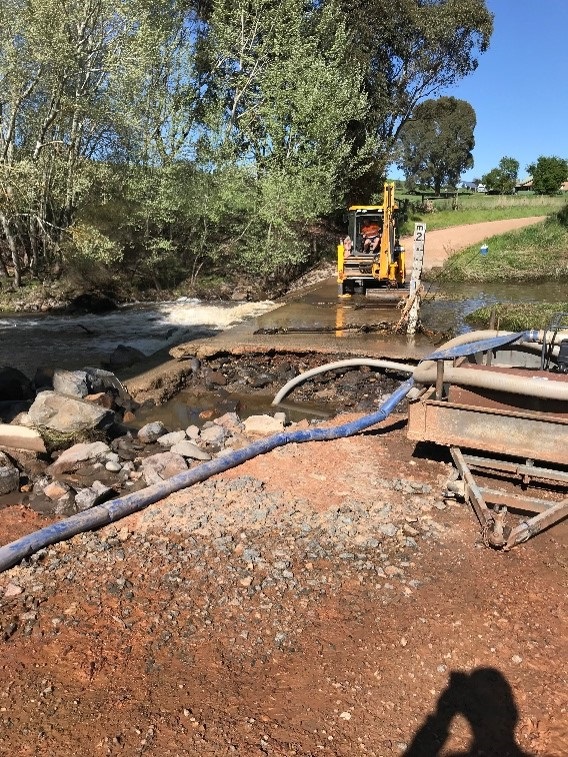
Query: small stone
x=55 y=490
x=214 y=435
x=345 y=715
x=192 y=432
x=93 y=495
x=168 y=440
x=185 y=448
x=263 y=424
x=9 y=475
x=388 y=529
x=151 y=432
x=517 y=659
x=113 y=467
x=392 y=570
x=12 y=590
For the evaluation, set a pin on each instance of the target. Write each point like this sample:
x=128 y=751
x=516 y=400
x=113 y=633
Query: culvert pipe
x=501 y=381
x=355 y=362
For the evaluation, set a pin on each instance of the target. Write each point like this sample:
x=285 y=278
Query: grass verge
x=517 y=317
x=479 y=209
x=534 y=253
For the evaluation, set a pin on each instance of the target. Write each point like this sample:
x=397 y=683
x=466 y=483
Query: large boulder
x=71 y=383
x=68 y=415
x=78 y=455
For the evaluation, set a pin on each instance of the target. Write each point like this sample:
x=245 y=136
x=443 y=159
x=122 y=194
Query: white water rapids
x=31 y=341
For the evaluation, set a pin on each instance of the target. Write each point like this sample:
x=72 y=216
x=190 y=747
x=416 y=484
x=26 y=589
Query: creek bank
x=59 y=297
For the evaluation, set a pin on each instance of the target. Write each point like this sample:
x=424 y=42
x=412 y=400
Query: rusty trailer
x=515 y=439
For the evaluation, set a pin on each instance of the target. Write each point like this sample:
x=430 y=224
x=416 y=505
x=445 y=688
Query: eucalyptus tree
x=436 y=143
x=410 y=50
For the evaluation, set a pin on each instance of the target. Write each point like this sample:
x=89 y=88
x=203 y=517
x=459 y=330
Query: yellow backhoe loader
x=370 y=259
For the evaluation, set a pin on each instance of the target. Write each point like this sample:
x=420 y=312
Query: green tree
x=84 y=86
x=436 y=143
x=503 y=178
x=286 y=91
x=548 y=173
x=409 y=50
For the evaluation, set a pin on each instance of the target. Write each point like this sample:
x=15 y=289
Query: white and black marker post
x=417 y=265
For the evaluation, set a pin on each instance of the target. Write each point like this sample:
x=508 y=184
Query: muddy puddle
x=189 y=408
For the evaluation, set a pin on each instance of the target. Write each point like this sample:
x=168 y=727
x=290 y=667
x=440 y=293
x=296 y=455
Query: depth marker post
x=417 y=265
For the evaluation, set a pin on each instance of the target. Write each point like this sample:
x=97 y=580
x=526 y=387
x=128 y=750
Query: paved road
x=441 y=243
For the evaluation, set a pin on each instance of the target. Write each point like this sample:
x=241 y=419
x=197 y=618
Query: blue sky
x=520 y=89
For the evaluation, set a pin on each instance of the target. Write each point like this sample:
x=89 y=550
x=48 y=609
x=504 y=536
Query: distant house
x=527 y=185
x=471 y=185
x=524 y=186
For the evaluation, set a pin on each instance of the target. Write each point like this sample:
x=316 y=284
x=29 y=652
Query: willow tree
x=285 y=90
x=69 y=76
x=53 y=76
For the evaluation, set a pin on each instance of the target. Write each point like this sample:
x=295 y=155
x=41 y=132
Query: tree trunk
x=3 y=269
x=13 y=250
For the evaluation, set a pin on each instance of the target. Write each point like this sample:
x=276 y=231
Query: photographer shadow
x=485 y=699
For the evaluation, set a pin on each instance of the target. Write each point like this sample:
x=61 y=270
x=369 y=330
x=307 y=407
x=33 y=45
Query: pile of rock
x=74 y=445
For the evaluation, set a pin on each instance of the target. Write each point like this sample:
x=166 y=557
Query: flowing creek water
x=315 y=317
x=29 y=341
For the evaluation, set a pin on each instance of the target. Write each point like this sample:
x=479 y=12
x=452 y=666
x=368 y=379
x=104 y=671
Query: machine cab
x=365 y=230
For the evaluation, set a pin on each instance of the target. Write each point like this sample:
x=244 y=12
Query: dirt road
x=443 y=242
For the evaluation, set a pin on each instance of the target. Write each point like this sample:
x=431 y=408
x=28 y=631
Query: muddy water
x=75 y=341
x=313 y=319
x=445 y=308
x=319 y=319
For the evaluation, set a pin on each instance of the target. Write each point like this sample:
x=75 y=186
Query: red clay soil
x=331 y=603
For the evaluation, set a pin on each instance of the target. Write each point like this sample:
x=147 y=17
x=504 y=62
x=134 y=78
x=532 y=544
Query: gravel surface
x=321 y=599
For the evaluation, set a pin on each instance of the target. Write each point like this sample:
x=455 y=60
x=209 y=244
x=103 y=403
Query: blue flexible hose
x=108 y=512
